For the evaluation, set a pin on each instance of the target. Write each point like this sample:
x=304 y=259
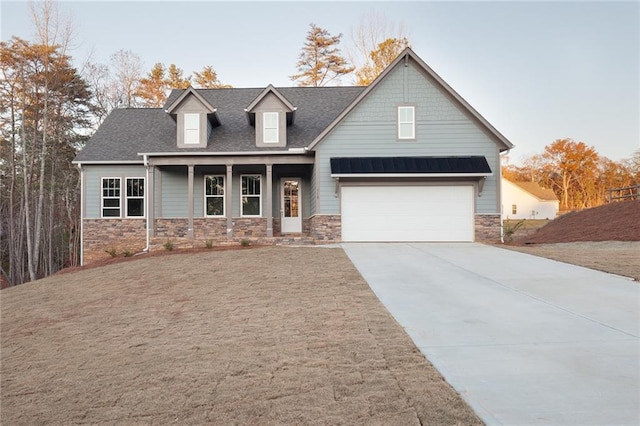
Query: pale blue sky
x=538 y=71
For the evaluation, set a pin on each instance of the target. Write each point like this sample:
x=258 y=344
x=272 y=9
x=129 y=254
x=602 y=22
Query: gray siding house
x=404 y=159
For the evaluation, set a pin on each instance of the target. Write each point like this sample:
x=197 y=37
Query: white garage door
x=407 y=213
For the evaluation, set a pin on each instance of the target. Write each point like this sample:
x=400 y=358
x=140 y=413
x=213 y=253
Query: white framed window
x=110 y=197
x=191 y=129
x=514 y=209
x=406 y=122
x=213 y=195
x=135 y=197
x=270 y=127
x=250 y=195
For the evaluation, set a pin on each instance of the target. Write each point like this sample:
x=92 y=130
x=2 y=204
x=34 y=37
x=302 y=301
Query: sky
x=536 y=70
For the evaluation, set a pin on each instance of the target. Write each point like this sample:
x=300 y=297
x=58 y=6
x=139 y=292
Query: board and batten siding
x=93 y=184
x=443 y=128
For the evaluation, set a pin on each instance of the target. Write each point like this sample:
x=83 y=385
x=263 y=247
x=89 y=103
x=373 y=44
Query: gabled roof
x=403 y=58
x=270 y=90
x=265 y=92
x=189 y=91
x=534 y=188
x=212 y=114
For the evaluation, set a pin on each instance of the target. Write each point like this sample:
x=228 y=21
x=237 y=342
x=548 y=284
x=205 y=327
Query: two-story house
x=404 y=159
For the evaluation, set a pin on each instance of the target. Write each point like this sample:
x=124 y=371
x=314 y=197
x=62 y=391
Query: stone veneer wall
x=249 y=227
x=325 y=228
x=100 y=235
x=488 y=228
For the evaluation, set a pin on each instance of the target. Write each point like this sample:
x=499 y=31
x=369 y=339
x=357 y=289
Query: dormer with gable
x=195 y=119
x=270 y=113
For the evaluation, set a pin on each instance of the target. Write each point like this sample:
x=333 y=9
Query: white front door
x=291 y=206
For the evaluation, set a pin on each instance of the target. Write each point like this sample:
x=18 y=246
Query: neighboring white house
x=528 y=200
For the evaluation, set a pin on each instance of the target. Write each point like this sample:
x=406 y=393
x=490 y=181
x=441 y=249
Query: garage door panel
x=407 y=213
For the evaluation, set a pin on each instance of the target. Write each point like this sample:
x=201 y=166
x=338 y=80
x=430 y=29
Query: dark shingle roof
x=410 y=165
x=127 y=132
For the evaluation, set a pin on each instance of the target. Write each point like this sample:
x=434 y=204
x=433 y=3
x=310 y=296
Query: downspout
x=146 y=203
x=81 y=172
x=500 y=204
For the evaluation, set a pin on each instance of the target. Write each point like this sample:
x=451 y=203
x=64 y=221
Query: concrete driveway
x=525 y=340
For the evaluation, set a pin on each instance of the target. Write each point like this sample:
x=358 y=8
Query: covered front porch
x=202 y=200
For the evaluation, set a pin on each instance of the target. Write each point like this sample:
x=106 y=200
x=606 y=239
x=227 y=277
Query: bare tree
x=127 y=69
x=381 y=58
x=375 y=33
x=114 y=85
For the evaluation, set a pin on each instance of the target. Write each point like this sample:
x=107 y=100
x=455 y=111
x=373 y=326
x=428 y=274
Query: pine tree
x=175 y=79
x=208 y=79
x=152 y=89
x=320 y=61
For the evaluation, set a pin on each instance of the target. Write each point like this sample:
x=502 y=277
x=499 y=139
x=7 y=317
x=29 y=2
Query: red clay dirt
x=610 y=222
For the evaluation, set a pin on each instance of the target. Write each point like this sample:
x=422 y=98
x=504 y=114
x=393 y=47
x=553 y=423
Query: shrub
x=208 y=244
x=168 y=245
x=244 y=243
x=509 y=229
x=112 y=252
x=127 y=253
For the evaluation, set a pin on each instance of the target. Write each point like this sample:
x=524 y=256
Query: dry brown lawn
x=615 y=257
x=261 y=336
x=606 y=238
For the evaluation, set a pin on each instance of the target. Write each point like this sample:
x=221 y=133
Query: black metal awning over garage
x=471 y=166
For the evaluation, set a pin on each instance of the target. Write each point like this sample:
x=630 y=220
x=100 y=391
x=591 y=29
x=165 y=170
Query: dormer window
x=191 y=129
x=270 y=114
x=195 y=119
x=270 y=127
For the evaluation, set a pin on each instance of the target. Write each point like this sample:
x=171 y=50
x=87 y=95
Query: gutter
x=290 y=151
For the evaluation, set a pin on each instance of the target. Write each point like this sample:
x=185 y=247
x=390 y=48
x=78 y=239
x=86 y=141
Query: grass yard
x=266 y=335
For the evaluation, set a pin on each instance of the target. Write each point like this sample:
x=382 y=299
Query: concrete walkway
x=524 y=340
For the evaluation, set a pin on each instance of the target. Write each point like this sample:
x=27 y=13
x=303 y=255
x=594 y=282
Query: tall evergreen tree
x=175 y=80
x=152 y=88
x=208 y=79
x=320 y=61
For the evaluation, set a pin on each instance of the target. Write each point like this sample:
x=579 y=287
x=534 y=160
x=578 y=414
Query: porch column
x=190 y=201
x=150 y=189
x=228 y=200
x=269 y=200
